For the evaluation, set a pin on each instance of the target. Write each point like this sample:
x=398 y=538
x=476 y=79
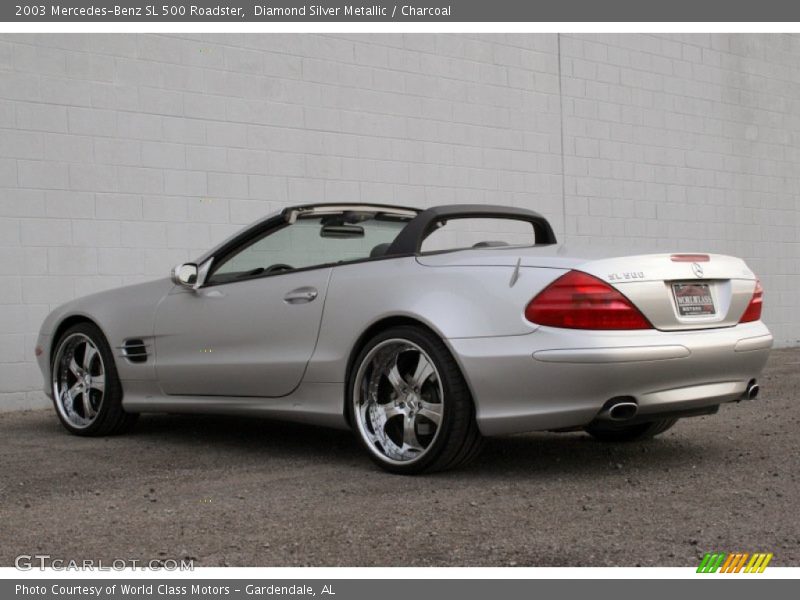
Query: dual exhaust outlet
x=618 y=409
x=751 y=393
x=625 y=408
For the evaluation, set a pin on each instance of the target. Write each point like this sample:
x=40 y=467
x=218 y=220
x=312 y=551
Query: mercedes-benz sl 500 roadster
x=422 y=330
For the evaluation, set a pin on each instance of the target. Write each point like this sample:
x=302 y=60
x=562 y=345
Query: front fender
x=121 y=313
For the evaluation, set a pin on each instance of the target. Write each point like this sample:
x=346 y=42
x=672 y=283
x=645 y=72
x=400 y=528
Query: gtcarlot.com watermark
x=29 y=562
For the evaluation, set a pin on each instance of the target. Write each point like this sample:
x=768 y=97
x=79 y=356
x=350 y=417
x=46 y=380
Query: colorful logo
x=737 y=562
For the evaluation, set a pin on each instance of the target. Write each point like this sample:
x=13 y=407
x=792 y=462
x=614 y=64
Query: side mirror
x=185 y=275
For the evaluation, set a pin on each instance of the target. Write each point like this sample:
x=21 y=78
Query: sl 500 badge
x=625 y=276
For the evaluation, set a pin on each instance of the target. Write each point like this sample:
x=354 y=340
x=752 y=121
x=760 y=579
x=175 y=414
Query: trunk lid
x=674 y=291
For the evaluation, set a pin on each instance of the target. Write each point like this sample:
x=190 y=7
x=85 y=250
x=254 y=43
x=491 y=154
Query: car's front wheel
x=618 y=432
x=409 y=403
x=86 y=389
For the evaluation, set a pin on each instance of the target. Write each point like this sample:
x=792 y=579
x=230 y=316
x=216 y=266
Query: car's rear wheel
x=86 y=390
x=619 y=432
x=409 y=403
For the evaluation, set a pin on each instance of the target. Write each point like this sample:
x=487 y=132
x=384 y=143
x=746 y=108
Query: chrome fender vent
x=135 y=350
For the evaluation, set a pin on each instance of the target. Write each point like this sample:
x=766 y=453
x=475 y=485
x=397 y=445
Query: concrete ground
x=242 y=492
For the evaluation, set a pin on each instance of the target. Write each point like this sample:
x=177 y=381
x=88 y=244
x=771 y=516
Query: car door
x=251 y=328
x=247 y=338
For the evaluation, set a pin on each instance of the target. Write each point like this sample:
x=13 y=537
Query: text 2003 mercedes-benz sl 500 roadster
x=419 y=329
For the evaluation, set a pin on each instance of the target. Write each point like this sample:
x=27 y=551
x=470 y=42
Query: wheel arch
x=381 y=325
x=66 y=323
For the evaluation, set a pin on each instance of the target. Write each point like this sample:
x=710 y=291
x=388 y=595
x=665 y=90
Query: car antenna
x=515 y=274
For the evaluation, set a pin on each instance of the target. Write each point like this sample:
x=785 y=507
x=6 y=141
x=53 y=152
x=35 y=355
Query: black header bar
x=154 y=11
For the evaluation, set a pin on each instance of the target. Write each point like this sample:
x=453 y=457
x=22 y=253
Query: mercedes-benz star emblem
x=697 y=270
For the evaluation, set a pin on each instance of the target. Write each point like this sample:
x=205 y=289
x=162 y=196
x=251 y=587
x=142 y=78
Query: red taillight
x=753 y=311
x=690 y=258
x=577 y=300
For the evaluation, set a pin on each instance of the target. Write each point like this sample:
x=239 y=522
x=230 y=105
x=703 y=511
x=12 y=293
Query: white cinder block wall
x=121 y=155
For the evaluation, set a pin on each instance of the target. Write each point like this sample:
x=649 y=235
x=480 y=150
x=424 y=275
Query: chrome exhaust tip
x=751 y=393
x=623 y=409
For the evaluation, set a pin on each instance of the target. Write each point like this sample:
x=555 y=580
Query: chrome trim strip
x=612 y=355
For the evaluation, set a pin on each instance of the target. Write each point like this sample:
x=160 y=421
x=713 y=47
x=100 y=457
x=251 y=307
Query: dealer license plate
x=693 y=299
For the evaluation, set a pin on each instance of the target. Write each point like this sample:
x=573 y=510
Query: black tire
x=111 y=418
x=458 y=439
x=616 y=432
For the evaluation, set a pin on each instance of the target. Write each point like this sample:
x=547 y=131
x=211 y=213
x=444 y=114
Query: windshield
x=310 y=241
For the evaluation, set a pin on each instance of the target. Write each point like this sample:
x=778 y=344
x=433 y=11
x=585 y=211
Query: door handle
x=301 y=295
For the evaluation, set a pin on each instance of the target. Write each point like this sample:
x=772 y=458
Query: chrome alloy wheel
x=398 y=401
x=79 y=380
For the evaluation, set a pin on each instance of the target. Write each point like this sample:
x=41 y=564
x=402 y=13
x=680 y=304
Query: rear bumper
x=557 y=378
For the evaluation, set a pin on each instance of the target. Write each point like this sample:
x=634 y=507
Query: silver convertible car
x=422 y=330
